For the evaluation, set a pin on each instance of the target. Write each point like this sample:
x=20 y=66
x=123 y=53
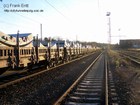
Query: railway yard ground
x=126 y=76
x=121 y=88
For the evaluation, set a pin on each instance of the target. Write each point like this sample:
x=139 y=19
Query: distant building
x=130 y=43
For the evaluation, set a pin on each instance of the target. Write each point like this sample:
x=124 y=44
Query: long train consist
x=21 y=50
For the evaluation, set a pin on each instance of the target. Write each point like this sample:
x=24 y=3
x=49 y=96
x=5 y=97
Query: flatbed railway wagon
x=20 y=51
x=15 y=53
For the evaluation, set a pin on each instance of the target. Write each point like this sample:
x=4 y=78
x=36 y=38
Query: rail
x=132 y=58
x=106 y=81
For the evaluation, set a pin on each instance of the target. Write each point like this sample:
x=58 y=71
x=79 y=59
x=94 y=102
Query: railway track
x=92 y=87
x=131 y=57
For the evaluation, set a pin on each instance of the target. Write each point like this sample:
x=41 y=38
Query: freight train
x=22 y=50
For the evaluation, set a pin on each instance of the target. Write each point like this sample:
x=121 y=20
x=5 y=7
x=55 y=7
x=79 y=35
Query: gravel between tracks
x=44 y=89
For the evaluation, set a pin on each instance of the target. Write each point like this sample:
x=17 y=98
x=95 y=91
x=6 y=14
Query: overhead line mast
x=109 y=26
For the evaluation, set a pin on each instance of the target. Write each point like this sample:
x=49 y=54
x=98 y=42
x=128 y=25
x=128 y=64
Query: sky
x=82 y=20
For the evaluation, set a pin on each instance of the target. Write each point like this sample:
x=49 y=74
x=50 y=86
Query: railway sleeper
x=85 y=94
x=76 y=103
x=89 y=87
x=84 y=99
x=88 y=84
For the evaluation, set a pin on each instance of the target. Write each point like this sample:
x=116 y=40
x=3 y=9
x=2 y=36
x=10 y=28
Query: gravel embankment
x=46 y=88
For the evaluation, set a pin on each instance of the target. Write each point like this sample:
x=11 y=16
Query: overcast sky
x=84 y=20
